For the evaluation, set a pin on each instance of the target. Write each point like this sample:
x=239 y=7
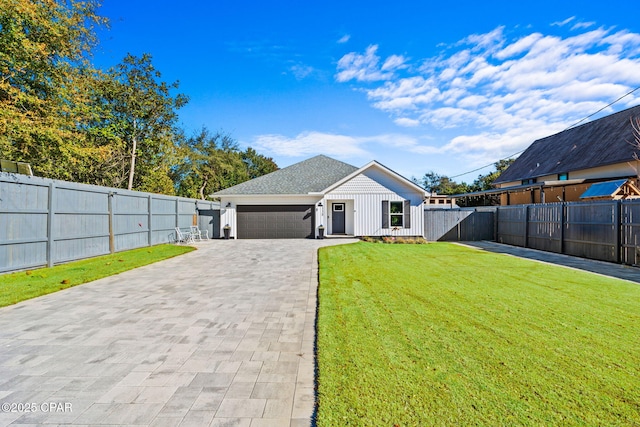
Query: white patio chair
x=197 y=233
x=183 y=236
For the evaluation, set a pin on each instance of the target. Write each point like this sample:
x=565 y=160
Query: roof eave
x=226 y=196
x=541 y=184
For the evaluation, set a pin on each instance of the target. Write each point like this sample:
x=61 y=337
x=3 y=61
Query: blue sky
x=417 y=86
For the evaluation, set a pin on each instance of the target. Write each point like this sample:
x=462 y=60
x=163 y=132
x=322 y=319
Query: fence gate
x=209 y=219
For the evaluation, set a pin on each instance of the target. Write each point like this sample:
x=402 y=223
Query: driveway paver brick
x=222 y=336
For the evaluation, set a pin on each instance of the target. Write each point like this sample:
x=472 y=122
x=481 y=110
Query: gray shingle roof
x=311 y=175
x=601 y=142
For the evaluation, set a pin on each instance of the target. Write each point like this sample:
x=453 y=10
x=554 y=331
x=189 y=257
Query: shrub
x=395 y=240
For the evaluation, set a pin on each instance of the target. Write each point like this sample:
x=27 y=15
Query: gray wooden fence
x=630 y=236
x=465 y=224
x=602 y=230
x=45 y=222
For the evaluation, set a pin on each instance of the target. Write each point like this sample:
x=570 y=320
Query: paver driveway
x=220 y=336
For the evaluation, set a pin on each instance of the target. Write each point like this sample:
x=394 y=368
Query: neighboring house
x=563 y=166
x=437 y=201
x=347 y=201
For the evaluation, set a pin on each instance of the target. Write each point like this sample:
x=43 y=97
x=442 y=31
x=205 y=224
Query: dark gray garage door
x=275 y=222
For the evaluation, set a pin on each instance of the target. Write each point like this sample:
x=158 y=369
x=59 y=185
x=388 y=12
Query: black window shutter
x=385 y=214
x=407 y=214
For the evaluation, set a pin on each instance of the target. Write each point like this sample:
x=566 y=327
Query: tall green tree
x=485 y=182
x=442 y=184
x=257 y=164
x=139 y=118
x=115 y=128
x=44 y=46
x=213 y=161
x=207 y=160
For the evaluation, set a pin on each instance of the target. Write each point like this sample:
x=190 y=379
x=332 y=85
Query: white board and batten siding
x=368 y=190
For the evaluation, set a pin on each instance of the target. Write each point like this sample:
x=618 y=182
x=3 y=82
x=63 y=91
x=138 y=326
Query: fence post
x=526 y=226
x=563 y=221
x=112 y=244
x=617 y=229
x=50 y=219
x=149 y=223
x=177 y=212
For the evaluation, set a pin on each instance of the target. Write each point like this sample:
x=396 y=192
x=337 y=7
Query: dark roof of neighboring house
x=309 y=176
x=601 y=142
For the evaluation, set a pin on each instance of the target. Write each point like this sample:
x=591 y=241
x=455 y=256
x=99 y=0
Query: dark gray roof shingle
x=601 y=142
x=311 y=175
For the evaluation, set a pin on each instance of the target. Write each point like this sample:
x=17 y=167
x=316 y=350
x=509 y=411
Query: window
x=396 y=213
x=563 y=176
x=528 y=181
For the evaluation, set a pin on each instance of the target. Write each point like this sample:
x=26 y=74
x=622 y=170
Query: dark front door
x=337 y=219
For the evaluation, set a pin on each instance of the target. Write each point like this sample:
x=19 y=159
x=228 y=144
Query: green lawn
x=439 y=334
x=16 y=287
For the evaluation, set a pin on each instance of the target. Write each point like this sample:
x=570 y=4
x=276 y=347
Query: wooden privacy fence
x=466 y=224
x=603 y=230
x=45 y=222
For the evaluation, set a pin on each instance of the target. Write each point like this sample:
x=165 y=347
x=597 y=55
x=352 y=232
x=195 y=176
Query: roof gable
x=309 y=176
x=602 y=142
x=374 y=165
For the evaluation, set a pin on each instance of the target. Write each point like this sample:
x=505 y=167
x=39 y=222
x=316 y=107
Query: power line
x=486 y=166
x=606 y=106
x=575 y=124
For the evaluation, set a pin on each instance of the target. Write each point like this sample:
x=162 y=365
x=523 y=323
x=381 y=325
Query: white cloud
x=472 y=101
x=501 y=93
x=366 y=67
x=344 y=39
x=309 y=143
x=581 y=25
x=490 y=40
x=393 y=62
x=406 y=122
x=563 y=23
x=520 y=46
x=301 y=71
x=342 y=146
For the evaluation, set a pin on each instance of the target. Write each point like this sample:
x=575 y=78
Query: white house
x=296 y=201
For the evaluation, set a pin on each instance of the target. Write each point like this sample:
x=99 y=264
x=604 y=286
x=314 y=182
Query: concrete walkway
x=223 y=336
x=619 y=271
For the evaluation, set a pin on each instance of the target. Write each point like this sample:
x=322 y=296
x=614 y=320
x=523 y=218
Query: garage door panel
x=275 y=222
